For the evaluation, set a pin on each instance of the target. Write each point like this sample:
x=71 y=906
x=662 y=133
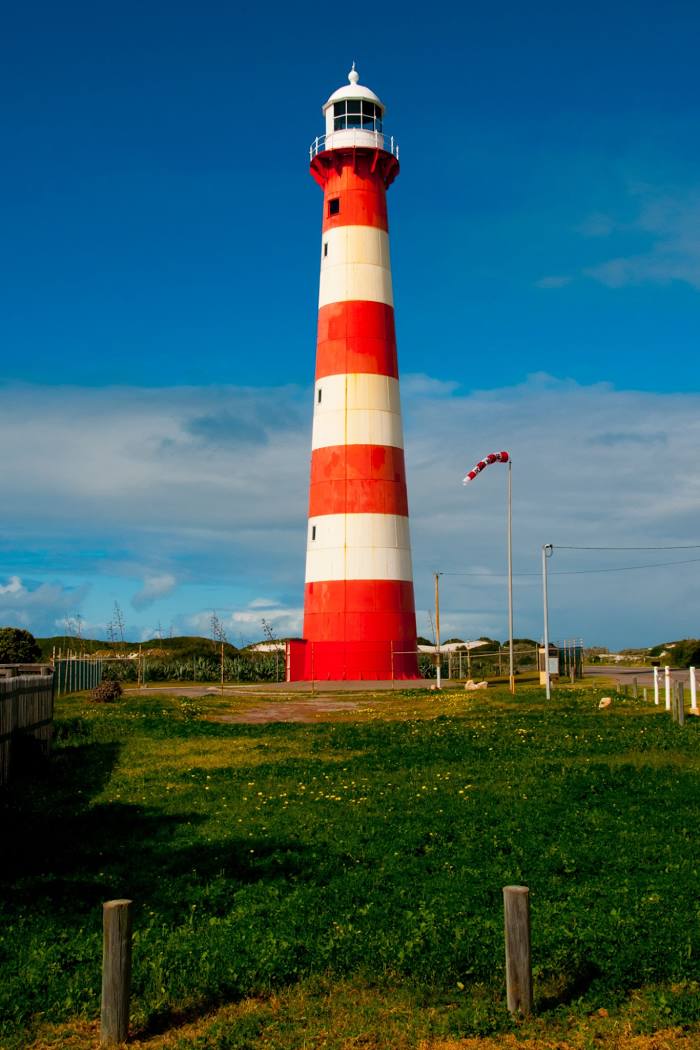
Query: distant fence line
x=72 y=674
x=26 y=713
x=77 y=672
x=466 y=662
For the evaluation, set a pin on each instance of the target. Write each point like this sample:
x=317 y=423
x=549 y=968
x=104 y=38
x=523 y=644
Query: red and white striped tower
x=359 y=610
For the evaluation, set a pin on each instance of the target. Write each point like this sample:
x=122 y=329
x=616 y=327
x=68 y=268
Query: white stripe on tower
x=358 y=547
x=355 y=264
x=357 y=408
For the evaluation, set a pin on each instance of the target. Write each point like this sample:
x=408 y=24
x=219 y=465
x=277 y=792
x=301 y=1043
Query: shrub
x=18 y=646
x=106 y=692
x=119 y=671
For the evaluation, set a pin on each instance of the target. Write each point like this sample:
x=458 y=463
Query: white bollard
x=693 y=690
x=656 y=686
x=667 y=686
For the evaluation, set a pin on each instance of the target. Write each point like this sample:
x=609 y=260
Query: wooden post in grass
x=681 y=704
x=116 y=972
x=516 y=914
x=635 y=688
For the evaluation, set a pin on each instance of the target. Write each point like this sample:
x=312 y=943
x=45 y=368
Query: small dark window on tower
x=334 y=205
x=325 y=249
x=313 y=532
x=319 y=395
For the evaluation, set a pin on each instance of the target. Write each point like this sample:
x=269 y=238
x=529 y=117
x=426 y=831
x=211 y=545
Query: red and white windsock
x=493 y=457
x=359 y=611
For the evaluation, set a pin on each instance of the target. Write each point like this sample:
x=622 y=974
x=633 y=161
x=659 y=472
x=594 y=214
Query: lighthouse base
x=309 y=661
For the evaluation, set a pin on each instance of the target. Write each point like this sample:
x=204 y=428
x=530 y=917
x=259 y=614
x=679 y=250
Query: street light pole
x=438 y=668
x=510 y=577
x=547 y=551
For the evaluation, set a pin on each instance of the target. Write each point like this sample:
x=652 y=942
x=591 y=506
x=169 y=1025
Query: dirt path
x=290 y=711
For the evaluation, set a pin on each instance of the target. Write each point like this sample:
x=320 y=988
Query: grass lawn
x=338 y=884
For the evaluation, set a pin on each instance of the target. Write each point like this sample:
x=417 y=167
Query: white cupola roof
x=353 y=90
x=354 y=119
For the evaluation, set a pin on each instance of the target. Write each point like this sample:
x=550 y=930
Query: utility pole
x=547 y=551
x=438 y=668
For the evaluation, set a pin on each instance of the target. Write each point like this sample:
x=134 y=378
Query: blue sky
x=159 y=276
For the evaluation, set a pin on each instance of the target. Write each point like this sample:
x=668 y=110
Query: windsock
x=493 y=457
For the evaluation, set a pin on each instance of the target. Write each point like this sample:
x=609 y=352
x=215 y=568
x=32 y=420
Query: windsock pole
x=503 y=457
x=511 y=661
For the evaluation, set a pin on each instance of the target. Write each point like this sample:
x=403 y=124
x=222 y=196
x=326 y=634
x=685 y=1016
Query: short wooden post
x=516 y=914
x=681 y=704
x=116 y=972
x=635 y=688
x=645 y=694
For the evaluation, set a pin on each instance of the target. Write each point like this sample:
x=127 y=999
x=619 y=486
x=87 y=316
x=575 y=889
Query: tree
x=119 y=622
x=18 y=646
x=218 y=633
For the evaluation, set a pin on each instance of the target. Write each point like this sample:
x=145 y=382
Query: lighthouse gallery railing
x=356 y=137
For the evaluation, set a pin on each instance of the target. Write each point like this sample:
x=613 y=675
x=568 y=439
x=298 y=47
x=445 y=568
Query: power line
x=585 y=572
x=622 y=568
x=684 y=547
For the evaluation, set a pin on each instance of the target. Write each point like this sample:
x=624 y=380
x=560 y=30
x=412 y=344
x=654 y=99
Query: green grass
x=367 y=853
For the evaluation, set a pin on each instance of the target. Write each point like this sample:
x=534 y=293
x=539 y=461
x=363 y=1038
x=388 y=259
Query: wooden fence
x=26 y=710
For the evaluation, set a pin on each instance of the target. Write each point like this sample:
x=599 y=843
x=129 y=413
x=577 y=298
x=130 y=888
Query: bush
x=119 y=671
x=106 y=692
x=18 y=646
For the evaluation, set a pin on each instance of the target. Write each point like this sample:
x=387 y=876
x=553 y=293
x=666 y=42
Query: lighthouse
x=359 y=608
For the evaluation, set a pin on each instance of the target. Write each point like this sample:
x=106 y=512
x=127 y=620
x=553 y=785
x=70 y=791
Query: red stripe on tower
x=359 y=610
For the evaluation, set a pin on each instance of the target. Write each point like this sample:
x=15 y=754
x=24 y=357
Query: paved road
x=626 y=675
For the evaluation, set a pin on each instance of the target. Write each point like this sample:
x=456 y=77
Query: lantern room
x=354 y=116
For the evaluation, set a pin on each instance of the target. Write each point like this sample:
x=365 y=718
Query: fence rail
x=26 y=711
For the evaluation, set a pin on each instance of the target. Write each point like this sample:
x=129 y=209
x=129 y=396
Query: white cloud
x=13 y=586
x=245 y=625
x=591 y=465
x=668 y=221
x=41 y=607
x=417 y=384
x=154 y=587
x=153 y=478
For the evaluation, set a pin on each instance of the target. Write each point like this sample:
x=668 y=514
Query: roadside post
x=693 y=689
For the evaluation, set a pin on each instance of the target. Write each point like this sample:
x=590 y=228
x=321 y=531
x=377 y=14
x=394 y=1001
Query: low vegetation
x=183 y=648
x=18 y=646
x=684 y=653
x=339 y=883
x=106 y=692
